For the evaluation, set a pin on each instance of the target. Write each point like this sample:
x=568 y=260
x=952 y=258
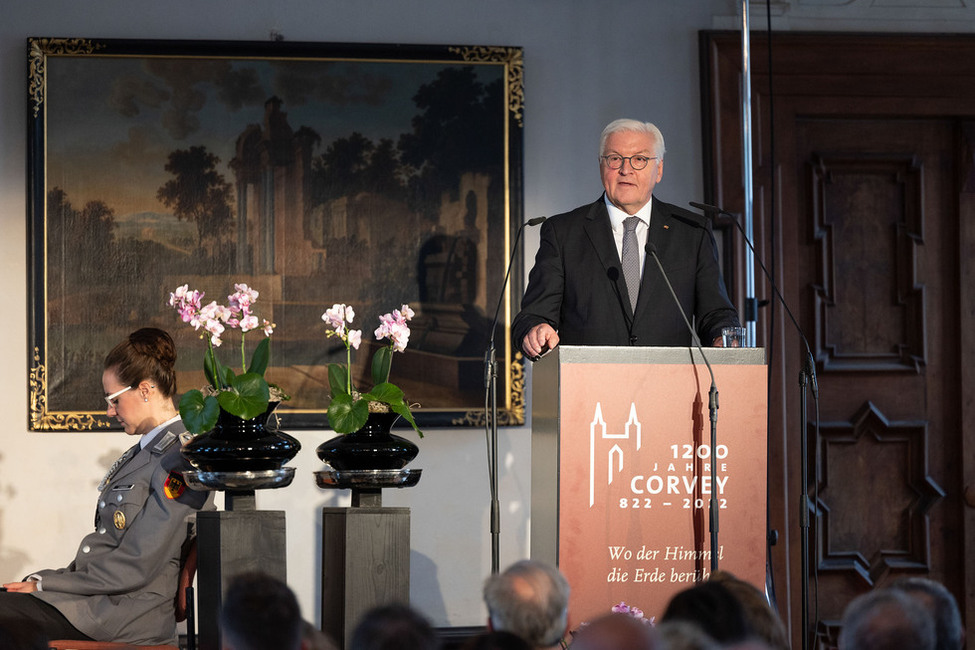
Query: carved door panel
x=865 y=209
x=877 y=269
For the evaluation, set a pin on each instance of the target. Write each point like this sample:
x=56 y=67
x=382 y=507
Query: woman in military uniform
x=122 y=582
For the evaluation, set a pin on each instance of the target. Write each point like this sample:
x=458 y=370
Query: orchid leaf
x=403 y=409
x=247 y=398
x=382 y=361
x=338 y=379
x=386 y=393
x=213 y=370
x=346 y=415
x=199 y=413
x=261 y=357
x=228 y=376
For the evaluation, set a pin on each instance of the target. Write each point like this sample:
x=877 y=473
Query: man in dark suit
x=594 y=283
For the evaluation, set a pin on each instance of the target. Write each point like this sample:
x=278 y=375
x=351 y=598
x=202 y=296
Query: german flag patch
x=174 y=485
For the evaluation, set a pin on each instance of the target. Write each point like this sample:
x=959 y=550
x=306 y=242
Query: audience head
x=886 y=619
x=314 y=639
x=753 y=643
x=497 y=640
x=942 y=607
x=260 y=613
x=616 y=632
x=714 y=609
x=530 y=599
x=393 y=627
x=764 y=621
x=681 y=635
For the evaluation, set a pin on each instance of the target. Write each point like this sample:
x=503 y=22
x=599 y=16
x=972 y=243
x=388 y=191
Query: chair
x=184 y=608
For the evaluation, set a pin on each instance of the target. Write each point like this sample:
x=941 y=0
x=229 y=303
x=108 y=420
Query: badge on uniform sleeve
x=119 y=519
x=174 y=485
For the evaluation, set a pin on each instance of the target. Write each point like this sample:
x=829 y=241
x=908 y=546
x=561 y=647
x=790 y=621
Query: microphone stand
x=712 y=408
x=807 y=375
x=491 y=410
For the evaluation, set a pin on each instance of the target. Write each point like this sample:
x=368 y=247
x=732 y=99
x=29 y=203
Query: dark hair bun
x=156 y=343
x=147 y=354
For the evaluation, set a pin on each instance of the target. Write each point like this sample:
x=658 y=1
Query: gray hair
x=636 y=126
x=530 y=599
x=940 y=604
x=684 y=635
x=886 y=619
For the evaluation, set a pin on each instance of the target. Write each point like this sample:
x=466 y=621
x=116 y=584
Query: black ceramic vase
x=371 y=447
x=238 y=445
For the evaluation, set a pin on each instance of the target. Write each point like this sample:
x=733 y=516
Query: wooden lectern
x=621 y=476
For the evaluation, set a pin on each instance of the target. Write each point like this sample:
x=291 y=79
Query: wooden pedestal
x=233 y=542
x=365 y=563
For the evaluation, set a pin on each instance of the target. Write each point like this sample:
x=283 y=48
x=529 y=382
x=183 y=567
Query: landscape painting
x=371 y=175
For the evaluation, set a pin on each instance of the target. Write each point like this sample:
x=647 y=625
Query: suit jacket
x=122 y=582
x=577 y=285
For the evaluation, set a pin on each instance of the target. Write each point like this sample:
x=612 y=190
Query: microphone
x=712 y=407
x=808 y=372
x=704 y=207
x=491 y=408
x=651 y=249
x=695 y=339
x=535 y=221
x=808 y=365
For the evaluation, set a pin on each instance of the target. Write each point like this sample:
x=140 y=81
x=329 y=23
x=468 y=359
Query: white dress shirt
x=616 y=217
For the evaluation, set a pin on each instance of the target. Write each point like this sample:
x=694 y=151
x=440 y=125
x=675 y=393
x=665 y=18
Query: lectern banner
x=635 y=480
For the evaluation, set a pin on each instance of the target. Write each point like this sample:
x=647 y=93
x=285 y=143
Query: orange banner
x=635 y=481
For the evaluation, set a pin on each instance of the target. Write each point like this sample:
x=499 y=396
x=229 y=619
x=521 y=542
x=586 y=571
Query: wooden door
x=872 y=238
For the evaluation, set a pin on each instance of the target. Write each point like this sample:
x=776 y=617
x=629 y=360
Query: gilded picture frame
x=317 y=173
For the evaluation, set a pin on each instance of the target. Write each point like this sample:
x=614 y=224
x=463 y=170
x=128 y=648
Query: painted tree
x=198 y=192
x=458 y=129
x=81 y=240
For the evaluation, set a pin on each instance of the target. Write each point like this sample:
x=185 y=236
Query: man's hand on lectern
x=539 y=340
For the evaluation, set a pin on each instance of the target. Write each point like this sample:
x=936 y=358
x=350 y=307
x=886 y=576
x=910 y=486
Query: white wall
x=586 y=63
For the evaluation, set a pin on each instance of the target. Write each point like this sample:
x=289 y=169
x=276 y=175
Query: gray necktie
x=631 y=259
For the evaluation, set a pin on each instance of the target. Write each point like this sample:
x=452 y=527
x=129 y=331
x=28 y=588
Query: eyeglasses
x=112 y=400
x=615 y=161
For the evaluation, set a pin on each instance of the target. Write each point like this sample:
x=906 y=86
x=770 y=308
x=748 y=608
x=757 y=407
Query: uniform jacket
x=122 y=582
x=577 y=285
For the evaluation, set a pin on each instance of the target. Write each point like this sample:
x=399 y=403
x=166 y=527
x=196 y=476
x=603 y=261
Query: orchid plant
x=619 y=608
x=637 y=613
x=350 y=407
x=245 y=395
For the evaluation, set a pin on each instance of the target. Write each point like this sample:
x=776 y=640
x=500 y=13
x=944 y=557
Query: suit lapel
x=651 y=283
x=600 y=235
